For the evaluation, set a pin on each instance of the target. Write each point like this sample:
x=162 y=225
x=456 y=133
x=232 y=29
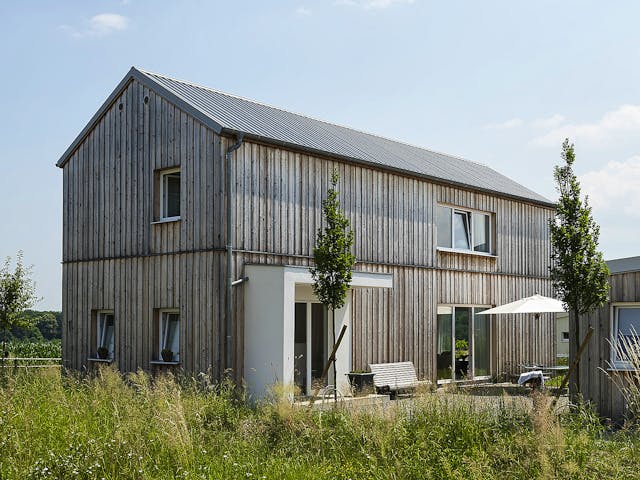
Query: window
x=625 y=347
x=170 y=194
x=565 y=336
x=105 y=339
x=463 y=229
x=170 y=335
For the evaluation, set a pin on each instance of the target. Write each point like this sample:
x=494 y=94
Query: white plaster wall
x=264 y=338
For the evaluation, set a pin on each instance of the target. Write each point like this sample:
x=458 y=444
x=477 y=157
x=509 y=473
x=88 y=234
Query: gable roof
x=229 y=114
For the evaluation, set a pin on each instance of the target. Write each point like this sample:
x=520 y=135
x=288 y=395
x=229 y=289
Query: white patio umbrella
x=533 y=304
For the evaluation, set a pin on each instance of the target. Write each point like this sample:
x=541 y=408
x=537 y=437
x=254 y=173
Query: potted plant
x=103 y=353
x=361 y=381
x=167 y=355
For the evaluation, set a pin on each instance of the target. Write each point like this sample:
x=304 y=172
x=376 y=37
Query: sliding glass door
x=463 y=346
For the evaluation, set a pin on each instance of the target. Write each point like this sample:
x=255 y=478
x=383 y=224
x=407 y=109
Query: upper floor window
x=625 y=345
x=461 y=229
x=170 y=194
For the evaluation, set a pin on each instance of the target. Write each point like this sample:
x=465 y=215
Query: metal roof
x=621 y=265
x=226 y=113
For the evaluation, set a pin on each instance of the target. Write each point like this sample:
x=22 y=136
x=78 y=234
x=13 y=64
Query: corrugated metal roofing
x=621 y=265
x=232 y=114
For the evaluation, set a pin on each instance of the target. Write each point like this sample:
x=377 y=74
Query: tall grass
x=107 y=426
x=627 y=350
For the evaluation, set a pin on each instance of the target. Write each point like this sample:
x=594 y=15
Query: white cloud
x=303 y=11
x=99 y=25
x=620 y=123
x=614 y=189
x=511 y=123
x=551 y=122
x=373 y=4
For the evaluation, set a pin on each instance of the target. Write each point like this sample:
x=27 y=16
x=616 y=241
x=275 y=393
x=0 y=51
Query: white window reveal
x=625 y=347
x=106 y=335
x=170 y=335
x=170 y=194
x=463 y=230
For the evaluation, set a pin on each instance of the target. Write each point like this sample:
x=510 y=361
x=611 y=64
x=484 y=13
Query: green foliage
x=332 y=253
x=579 y=274
x=39 y=349
x=17 y=293
x=111 y=427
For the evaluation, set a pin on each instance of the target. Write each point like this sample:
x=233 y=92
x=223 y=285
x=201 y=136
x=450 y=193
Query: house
x=190 y=217
x=618 y=318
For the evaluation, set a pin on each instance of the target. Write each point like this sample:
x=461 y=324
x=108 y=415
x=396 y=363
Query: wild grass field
x=107 y=426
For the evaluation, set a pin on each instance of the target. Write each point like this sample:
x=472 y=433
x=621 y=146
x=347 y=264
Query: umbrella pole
x=576 y=360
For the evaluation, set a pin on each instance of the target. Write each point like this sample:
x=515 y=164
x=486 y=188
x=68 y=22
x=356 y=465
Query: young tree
x=333 y=259
x=579 y=274
x=17 y=293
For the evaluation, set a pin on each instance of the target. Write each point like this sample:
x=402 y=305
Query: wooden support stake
x=576 y=360
x=331 y=359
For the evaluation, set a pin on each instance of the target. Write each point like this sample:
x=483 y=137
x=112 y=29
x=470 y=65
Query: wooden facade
x=596 y=366
x=117 y=257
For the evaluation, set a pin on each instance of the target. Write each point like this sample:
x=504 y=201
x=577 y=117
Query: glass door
x=311 y=345
x=463 y=345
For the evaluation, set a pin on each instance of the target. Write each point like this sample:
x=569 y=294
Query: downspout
x=229 y=343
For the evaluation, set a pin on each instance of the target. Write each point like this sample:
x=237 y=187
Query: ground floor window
x=170 y=335
x=311 y=345
x=463 y=342
x=625 y=345
x=105 y=341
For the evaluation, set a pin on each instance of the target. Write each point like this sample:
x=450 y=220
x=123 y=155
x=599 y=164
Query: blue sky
x=498 y=82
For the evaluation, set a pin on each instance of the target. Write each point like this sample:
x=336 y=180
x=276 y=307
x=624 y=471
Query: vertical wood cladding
x=595 y=363
x=117 y=258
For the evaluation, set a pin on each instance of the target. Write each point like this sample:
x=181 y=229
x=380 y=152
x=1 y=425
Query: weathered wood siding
x=595 y=384
x=116 y=258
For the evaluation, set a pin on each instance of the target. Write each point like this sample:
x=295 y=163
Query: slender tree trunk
x=574 y=382
x=335 y=375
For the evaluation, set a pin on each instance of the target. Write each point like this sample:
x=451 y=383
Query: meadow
x=135 y=427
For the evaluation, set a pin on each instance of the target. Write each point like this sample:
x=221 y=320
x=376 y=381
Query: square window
x=170 y=194
x=169 y=333
x=565 y=336
x=105 y=335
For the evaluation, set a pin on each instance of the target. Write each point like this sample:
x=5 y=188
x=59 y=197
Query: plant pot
x=167 y=356
x=103 y=353
x=361 y=382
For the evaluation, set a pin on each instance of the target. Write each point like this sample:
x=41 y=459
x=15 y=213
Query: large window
x=463 y=343
x=170 y=335
x=463 y=230
x=170 y=194
x=625 y=346
x=106 y=335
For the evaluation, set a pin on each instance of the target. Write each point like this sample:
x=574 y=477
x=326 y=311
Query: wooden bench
x=395 y=377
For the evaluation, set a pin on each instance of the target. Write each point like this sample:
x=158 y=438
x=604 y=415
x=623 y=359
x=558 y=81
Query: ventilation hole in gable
x=120 y=107
x=146 y=99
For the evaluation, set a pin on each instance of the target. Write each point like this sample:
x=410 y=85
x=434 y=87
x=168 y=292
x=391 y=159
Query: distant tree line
x=37 y=325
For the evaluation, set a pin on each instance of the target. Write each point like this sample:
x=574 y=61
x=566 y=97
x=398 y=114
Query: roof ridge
x=315 y=119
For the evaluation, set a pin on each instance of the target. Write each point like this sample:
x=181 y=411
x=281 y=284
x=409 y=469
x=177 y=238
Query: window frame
x=101 y=316
x=615 y=362
x=164 y=198
x=163 y=316
x=468 y=214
